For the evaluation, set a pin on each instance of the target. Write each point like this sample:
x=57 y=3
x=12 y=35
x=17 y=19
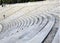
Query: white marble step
x=41 y=35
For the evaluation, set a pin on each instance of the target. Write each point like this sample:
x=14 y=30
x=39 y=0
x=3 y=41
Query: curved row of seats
x=39 y=36
x=24 y=32
x=16 y=24
x=28 y=34
x=42 y=35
